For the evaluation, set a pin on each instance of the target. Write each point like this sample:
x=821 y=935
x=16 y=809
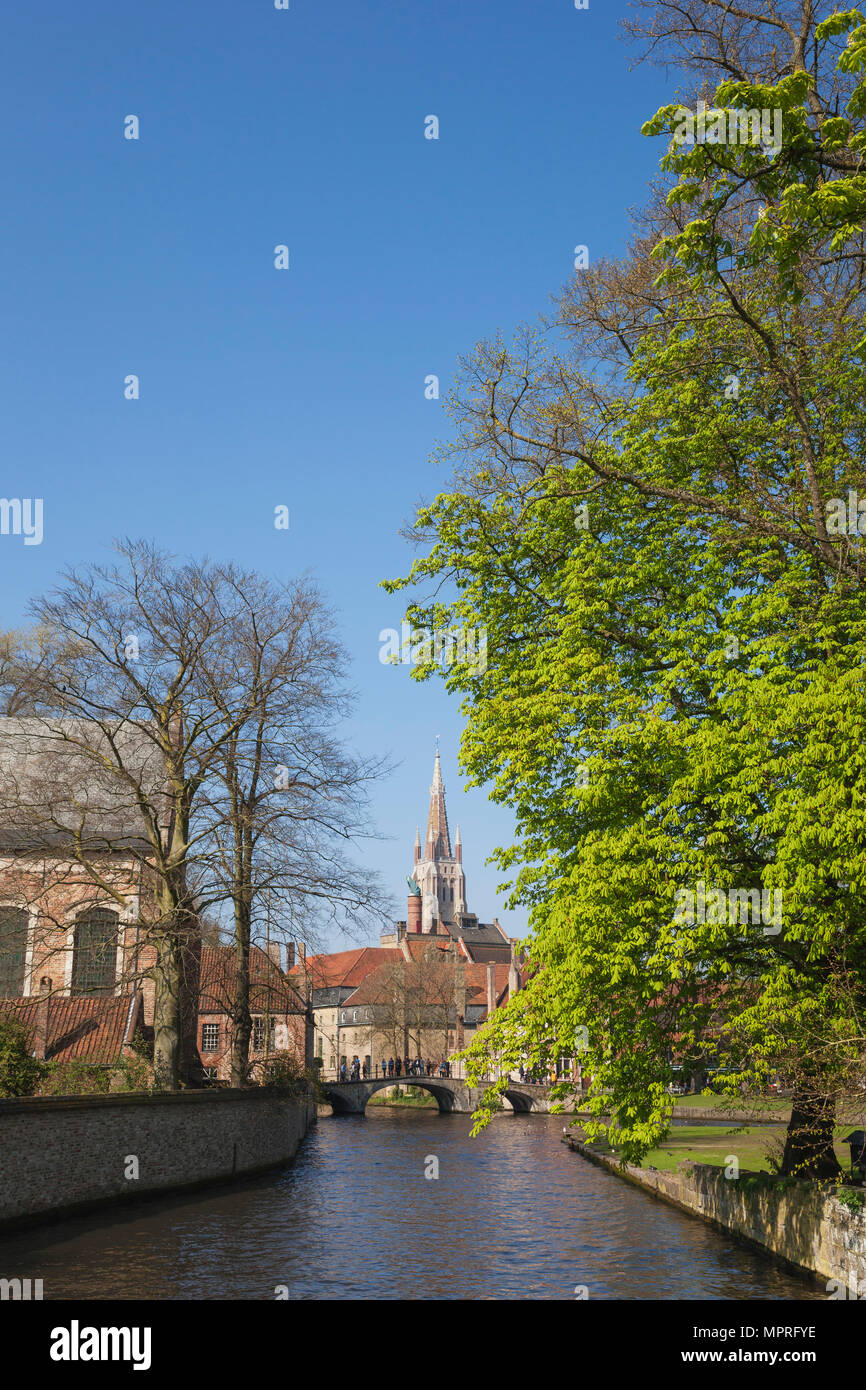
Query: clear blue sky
x=305 y=387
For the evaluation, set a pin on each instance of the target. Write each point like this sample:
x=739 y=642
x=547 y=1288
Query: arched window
x=94 y=954
x=13 y=951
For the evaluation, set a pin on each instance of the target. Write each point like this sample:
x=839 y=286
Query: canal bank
x=512 y=1215
x=80 y=1153
x=804 y=1226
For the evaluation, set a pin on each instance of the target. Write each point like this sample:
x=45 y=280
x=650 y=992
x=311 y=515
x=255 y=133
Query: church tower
x=437 y=871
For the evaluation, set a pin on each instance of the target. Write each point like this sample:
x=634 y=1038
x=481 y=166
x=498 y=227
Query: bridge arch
x=350 y=1097
x=451 y=1095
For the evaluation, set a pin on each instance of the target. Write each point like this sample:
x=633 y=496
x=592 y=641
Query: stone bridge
x=350 y=1097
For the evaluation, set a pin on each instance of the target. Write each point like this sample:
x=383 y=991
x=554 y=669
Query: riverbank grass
x=750 y=1145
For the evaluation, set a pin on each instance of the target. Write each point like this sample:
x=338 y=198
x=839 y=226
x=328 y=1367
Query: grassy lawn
x=727 y=1103
x=713 y=1144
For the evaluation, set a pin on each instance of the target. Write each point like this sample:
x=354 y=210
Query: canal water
x=513 y=1214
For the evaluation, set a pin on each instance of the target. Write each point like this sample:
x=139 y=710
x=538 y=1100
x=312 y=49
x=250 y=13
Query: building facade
x=434 y=979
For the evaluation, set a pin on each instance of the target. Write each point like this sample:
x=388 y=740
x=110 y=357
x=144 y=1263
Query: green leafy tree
x=673 y=701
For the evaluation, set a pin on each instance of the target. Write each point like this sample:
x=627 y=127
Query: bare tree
x=166 y=685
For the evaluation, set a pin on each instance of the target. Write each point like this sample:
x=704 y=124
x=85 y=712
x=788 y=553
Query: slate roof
x=52 y=784
x=90 y=1030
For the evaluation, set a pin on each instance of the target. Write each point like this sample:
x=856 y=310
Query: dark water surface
x=513 y=1214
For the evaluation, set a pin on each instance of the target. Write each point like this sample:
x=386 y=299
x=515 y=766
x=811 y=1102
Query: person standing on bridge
x=384 y=1069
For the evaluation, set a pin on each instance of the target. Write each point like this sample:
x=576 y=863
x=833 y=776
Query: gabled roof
x=345 y=968
x=270 y=990
x=91 y=1030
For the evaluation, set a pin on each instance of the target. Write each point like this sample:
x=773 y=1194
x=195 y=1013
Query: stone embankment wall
x=805 y=1225
x=80 y=1152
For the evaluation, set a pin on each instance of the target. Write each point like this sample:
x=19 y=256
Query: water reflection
x=513 y=1215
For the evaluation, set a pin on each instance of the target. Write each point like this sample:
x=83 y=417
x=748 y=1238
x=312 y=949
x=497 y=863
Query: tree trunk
x=809 y=1141
x=242 y=1023
x=167 y=1013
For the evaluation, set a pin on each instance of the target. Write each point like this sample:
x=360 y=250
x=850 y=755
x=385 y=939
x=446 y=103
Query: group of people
x=413 y=1066
x=540 y=1078
x=394 y=1067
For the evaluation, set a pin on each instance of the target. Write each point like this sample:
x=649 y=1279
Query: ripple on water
x=513 y=1214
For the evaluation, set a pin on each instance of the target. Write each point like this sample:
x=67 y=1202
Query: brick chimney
x=414 y=916
x=275 y=954
x=491 y=988
x=290 y=956
x=40 y=1037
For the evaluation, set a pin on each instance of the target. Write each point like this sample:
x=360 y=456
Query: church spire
x=437 y=820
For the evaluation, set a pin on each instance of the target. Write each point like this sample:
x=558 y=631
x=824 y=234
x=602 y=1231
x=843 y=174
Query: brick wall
x=57 y=1155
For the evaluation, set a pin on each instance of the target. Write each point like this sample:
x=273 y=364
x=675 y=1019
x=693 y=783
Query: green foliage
x=675 y=692
x=75 y=1078
x=766 y=1182
x=854 y=1198
x=285 y=1070
x=20 y=1072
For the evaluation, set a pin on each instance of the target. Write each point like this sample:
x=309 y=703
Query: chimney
x=491 y=988
x=302 y=955
x=40 y=1038
x=290 y=956
x=275 y=954
x=414 y=912
x=459 y=1004
x=513 y=976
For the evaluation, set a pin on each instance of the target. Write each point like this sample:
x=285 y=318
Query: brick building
x=76 y=962
x=281 y=1010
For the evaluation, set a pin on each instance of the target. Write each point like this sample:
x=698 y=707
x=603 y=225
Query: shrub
x=20 y=1072
x=286 y=1070
x=75 y=1078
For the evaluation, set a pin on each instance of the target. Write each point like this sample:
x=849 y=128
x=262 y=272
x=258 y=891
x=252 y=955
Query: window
x=319 y=1045
x=354 y=1015
x=94 y=953
x=343 y=1016
x=259 y=1035
x=13 y=951
x=210 y=1037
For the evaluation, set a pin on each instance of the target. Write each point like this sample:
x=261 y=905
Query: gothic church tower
x=439 y=873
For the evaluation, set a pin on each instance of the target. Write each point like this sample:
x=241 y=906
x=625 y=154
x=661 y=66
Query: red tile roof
x=270 y=989
x=92 y=1030
x=349 y=967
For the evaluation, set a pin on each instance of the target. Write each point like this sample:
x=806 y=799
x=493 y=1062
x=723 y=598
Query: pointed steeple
x=417 y=843
x=437 y=820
